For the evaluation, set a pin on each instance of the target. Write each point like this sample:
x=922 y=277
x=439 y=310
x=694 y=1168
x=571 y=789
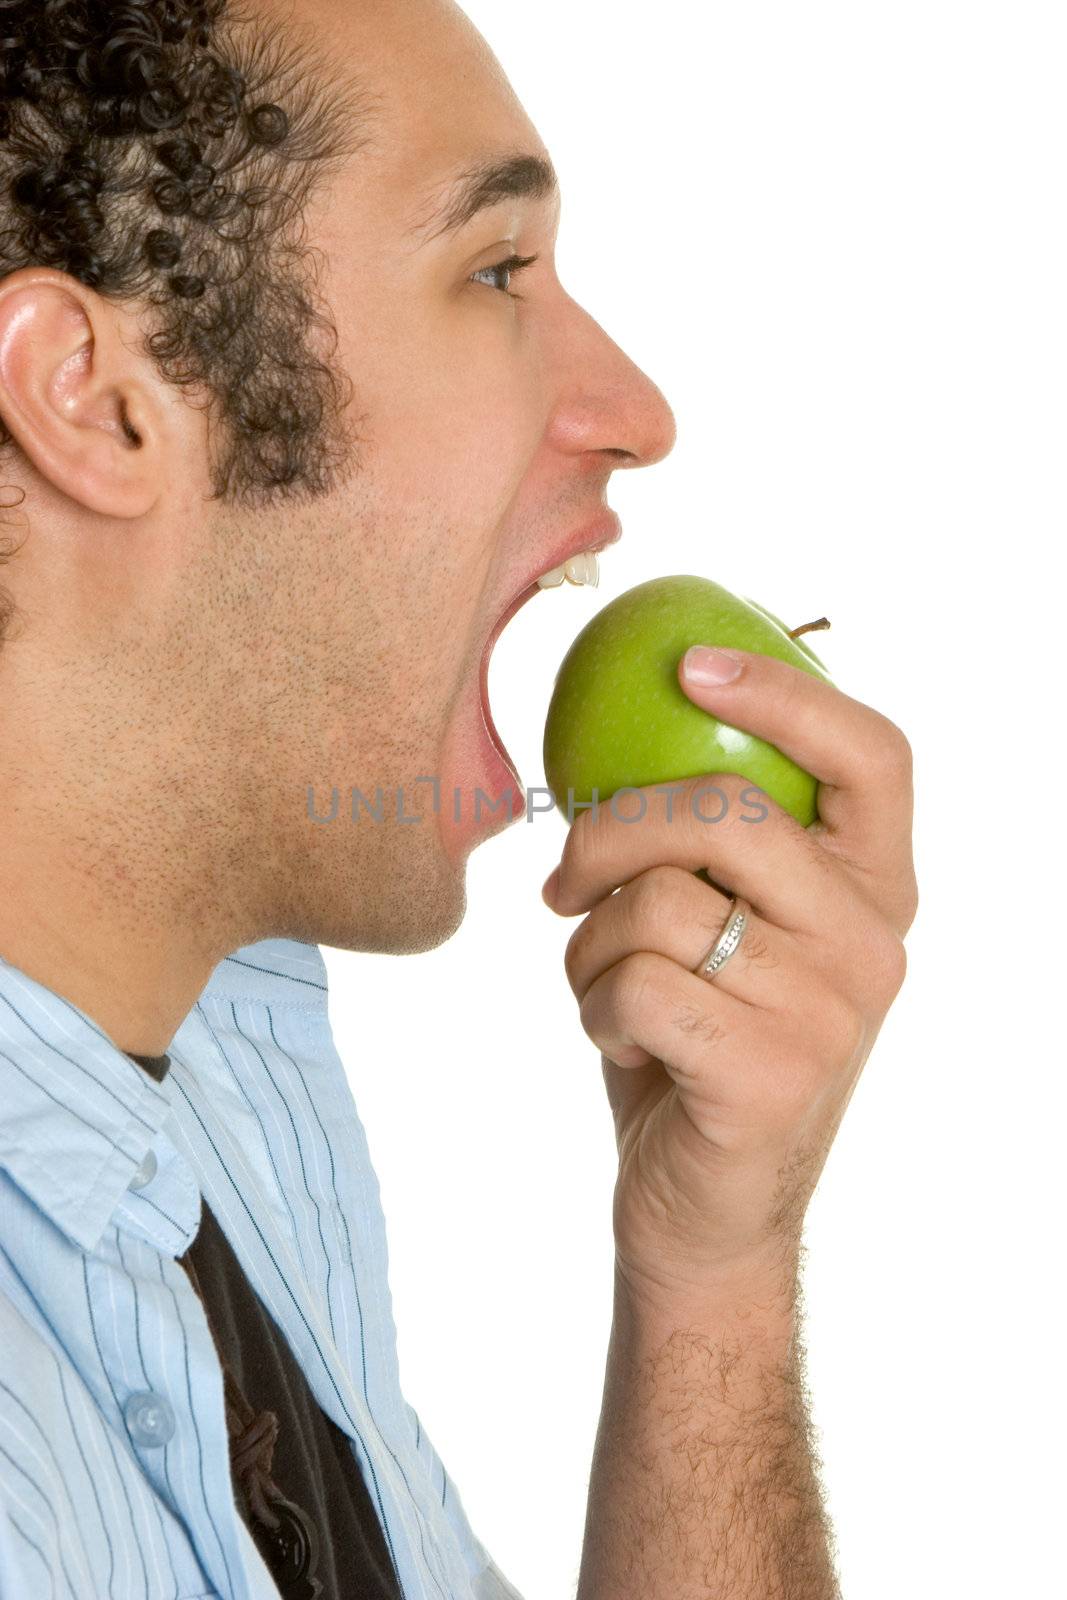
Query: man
x=295 y=408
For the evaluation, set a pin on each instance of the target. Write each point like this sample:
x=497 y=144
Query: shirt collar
x=77 y=1115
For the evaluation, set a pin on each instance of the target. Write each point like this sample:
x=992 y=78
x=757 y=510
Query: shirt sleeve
x=491 y=1584
x=487 y=1580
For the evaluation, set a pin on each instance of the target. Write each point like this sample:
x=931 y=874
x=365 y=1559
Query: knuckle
x=894 y=752
x=910 y=899
x=881 y=963
x=644 y=898
x=836 y=1037
x=712 y=798
x=792 y=692
x=891 y=968
x=648 y=898
x=635 y=982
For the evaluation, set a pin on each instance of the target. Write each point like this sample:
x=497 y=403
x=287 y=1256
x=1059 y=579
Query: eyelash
x=512 y=266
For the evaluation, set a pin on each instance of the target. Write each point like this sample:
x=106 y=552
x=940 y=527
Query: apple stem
x=810 y=627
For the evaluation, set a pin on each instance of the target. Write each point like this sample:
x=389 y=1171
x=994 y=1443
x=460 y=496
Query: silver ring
x=710 y=965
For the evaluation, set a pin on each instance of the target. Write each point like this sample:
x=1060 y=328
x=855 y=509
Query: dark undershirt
x=314 y=1464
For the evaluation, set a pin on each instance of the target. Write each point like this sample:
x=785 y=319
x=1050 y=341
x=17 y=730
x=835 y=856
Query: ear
x=78 y=401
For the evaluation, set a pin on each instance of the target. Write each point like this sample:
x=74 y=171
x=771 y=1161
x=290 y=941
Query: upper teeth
x=580 y=569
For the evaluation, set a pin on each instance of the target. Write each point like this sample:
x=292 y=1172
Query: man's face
x=488 y=428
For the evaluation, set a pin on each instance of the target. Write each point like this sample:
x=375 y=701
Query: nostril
x=128 y=428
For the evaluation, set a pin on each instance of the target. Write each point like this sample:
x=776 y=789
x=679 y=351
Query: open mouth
x=578 y=567
x=490 y=725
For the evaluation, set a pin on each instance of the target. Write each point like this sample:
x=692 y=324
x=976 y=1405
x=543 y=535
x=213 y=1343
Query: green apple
x=618 y=717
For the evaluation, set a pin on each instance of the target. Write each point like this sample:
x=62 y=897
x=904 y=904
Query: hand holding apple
x=727 y=1094
x=618 y=719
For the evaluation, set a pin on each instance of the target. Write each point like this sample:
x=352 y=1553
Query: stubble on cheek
x=366 y=866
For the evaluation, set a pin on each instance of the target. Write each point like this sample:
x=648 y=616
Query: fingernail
x=705 y=666
x=549 y=889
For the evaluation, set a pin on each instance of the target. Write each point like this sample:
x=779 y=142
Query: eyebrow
x=521 y=177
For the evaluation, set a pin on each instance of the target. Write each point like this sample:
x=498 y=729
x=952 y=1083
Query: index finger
x=861 y=759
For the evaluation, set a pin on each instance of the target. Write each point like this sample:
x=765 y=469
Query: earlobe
x=72 y=395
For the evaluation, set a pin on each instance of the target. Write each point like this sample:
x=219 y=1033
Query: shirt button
x=149 y=1418
x=145 y=1172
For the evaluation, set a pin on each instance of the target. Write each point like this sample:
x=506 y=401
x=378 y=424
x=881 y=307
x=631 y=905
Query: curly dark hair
x=163 y=151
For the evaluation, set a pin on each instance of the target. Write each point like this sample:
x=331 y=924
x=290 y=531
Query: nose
x=604 y=401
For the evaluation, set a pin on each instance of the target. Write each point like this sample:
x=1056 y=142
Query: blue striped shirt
x=114 y=1455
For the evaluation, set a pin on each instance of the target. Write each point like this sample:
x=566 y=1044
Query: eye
x=510 y=268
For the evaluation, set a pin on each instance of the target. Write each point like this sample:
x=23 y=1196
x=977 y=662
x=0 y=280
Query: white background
x=834 y=235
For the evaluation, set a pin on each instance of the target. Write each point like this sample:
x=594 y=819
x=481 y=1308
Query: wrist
x=753 y=1305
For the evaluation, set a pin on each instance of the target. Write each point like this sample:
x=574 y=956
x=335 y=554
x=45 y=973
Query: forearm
x=703 y=1478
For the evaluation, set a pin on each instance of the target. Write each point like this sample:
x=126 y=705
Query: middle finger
x=672 y=913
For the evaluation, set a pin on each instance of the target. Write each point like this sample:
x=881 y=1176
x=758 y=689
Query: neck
x=138 y=985
x=99 y=923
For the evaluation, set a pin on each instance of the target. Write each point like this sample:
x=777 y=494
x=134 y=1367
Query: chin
x=416 y=906
x=421 y=925
x=386 y=888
